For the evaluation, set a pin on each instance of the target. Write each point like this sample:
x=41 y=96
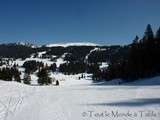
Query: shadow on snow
x=131 y=103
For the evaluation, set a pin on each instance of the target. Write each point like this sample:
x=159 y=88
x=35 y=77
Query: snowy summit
x=72 y=44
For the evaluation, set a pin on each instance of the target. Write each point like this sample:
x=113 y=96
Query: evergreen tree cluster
x=43 y=71
x=43 y=76
x=14 y=50
x=97 y=56
x=94 y=69
x=32 y=65
x=81 y=67
x=57 y=51
x=142 y=60
x=53 y=67
x=27 y=78
x=10 y=74
x=72 y=68
x=73 y=53
x=1 y=62
x=77 y=53
x=108 y=53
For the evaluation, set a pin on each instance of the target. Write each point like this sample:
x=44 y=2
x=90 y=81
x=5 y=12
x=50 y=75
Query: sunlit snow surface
x=81 y=99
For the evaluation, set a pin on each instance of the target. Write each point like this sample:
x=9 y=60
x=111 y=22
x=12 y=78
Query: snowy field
x=81 y=100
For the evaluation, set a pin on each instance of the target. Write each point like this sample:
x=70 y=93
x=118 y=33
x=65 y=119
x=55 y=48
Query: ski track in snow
x=74 y=101
x=12 y=100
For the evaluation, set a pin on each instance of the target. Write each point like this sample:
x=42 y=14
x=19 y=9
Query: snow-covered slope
x=80 y=101
x=72 y=44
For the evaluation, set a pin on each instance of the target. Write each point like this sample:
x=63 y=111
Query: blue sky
x=58 y=21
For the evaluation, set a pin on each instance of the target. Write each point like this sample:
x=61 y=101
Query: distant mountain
x=27 y=44
x=72 y=44
x=88 y=52
x=14 y=50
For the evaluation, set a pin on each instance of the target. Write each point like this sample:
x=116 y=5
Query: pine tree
x=6 y=74
x=148 y=35
x=16 y=74
x=158 y=34
x=17 y=77
x=53 y=67
x=136 y=39
x=43 y=77
x=27 y=78
x=57 y=83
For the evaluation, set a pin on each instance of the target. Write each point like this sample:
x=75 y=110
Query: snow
x=69 y=80
x=72 y=44
x=34 y=79
x=80 y=100
x=40 y=54
x=61 y=60
x=45 y=61
x=20 y=62
x=148 y=81
x=54 y=56
x=93 y=50
x=3 y=66
x=103 y=65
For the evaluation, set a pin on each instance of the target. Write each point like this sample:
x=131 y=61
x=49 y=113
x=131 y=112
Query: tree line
x=10 y=74
x=139 y=59
x=142 y=60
